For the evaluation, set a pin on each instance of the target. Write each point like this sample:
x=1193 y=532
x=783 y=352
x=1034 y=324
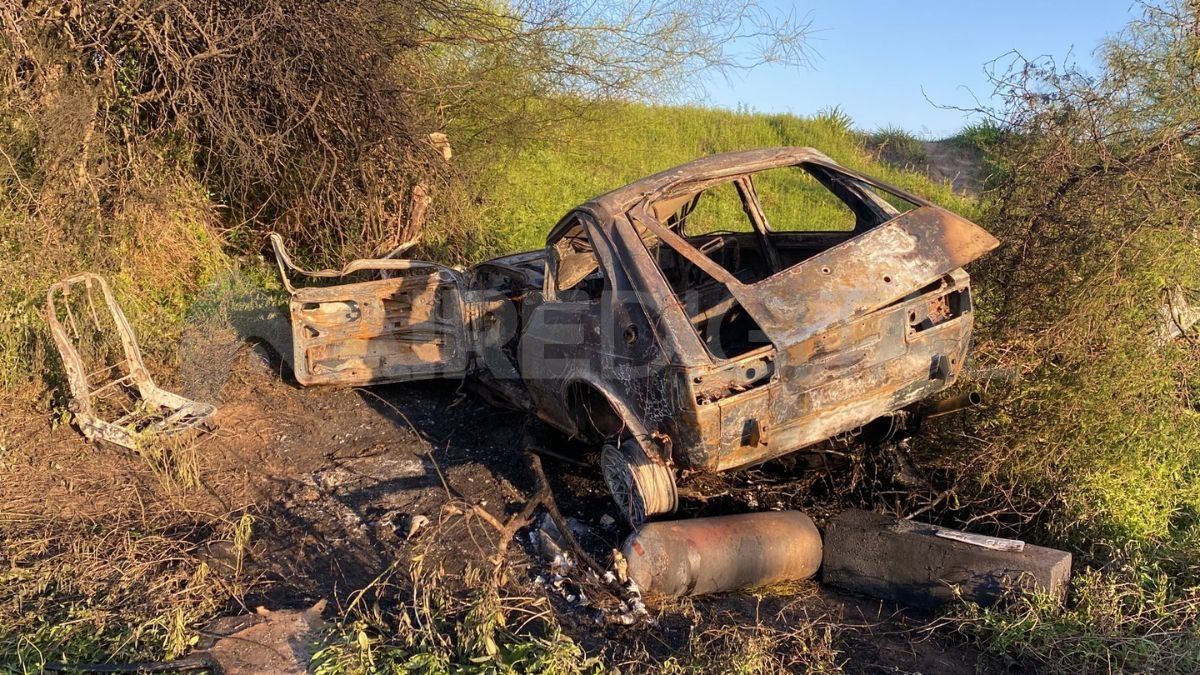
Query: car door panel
x=411 y=326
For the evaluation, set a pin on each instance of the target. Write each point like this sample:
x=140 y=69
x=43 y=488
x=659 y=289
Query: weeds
x=174 y=460
x=76 y=594
x=897 y=147
x=1116 y=623
x=984 y=137
x=425 y=626
x=239 y=533
x=1092 y=445
x=834 y=119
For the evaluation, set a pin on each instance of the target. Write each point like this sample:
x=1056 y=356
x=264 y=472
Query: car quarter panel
x=845 y=351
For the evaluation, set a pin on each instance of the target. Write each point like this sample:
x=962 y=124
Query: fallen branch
x=546 y=497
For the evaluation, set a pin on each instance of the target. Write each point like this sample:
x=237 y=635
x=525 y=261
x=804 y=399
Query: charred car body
x=713 y=316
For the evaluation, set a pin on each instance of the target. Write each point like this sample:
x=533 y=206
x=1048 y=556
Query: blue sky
x=875 y=57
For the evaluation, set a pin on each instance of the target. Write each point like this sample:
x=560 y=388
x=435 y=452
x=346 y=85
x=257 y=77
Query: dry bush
x=312 y=118
x=289 y=110
x=1091 y=440
x=1097 y=211
x=76 y=198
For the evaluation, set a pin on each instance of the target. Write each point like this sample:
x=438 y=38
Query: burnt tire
x=641 y=487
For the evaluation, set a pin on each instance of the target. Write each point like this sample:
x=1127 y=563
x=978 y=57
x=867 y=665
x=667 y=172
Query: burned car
x=709 y=317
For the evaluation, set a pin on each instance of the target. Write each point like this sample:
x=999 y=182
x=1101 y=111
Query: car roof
x=710 y=167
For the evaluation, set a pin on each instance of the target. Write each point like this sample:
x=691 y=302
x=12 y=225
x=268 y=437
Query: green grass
x=156 y=252
x=897 y=146
x=528 y=193
x=981 y=136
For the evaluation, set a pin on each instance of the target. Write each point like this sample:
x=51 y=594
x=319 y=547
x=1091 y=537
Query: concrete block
x=909 y=563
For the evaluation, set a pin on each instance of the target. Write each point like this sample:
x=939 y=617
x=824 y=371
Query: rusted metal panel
x=841 y=379
x=409 y=327
x=391 y=330
x=114 y=401
x=746 y=425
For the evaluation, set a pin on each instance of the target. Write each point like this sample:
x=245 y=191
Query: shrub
x=1094 y=440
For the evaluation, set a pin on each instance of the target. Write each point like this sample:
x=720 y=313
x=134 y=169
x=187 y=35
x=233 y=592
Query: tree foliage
x=313 y=117
x=1097 y=207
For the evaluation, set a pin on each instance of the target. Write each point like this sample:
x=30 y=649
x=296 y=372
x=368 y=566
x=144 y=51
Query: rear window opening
x=754 y=227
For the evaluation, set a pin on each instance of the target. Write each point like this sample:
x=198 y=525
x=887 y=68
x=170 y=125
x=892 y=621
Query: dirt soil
x=334 y=478
x=943 y=161
x=949 y=162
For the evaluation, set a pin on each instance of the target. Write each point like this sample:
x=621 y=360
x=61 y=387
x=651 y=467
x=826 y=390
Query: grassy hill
x=526 y=194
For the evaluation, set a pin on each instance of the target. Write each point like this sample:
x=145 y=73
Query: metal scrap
x=982 y=541
x=118 y=401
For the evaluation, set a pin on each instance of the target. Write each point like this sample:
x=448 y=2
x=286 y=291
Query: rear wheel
x=641 y=487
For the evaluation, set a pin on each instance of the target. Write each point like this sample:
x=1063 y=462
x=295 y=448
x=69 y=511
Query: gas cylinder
x=709 y=555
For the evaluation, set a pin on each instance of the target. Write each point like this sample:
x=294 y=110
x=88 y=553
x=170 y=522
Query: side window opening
x=809 y=198
x=714 y=221
x=578 y=277
x=809 y=208
x=794 y=200
x=719 y=209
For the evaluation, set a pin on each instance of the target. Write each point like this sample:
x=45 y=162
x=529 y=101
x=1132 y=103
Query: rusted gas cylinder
x=708 y=555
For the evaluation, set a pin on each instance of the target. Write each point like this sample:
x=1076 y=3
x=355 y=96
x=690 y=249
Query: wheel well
x=595 y=417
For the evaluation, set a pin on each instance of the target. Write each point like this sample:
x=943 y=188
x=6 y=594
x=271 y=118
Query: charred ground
x=331 y=478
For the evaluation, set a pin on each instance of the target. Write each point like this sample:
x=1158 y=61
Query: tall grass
x=528 y=192
x=897 y=146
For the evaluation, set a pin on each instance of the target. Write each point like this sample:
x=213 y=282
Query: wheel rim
x=641 y=487
x=618 y=475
